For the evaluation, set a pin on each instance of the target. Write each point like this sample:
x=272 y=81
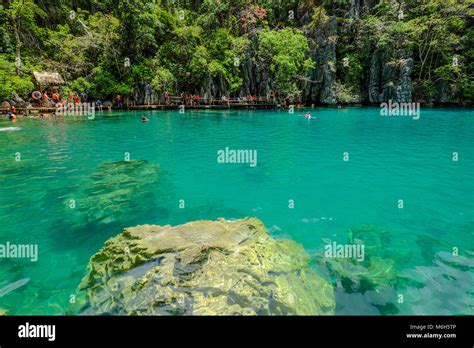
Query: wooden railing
x=173 y=102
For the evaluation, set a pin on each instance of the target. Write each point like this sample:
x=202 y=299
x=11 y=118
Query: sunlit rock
x=204 y=268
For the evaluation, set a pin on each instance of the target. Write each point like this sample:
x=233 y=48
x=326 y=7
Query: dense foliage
x=234 y=47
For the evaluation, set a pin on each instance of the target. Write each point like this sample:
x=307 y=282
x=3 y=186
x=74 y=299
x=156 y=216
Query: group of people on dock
x=186 y=98
x=189 y=99
x=52 y=98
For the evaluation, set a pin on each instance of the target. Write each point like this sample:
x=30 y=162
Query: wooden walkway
x=202 y=107
x=216 y=105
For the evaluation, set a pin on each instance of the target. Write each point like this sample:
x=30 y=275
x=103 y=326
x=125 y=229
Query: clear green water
x=390 y=158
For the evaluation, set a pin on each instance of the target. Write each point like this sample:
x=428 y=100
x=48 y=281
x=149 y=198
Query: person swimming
x=11 y=114
x=144 y=119
x=308 y=116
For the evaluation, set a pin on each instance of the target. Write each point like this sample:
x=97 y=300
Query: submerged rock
x=427 y=288
x=204 y=268
x=115 y=190
x=374 y=272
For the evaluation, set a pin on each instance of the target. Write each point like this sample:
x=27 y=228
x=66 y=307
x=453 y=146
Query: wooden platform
x=217 y=106
x=202 y=107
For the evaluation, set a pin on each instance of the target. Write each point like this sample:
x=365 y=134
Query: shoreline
x=51 y=112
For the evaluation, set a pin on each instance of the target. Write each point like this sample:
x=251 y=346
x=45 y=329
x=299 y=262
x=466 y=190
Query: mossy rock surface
x=204 y=268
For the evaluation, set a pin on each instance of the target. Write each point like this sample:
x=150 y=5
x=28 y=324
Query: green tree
x=11 y=83
x=22 y=14
x=285 y=53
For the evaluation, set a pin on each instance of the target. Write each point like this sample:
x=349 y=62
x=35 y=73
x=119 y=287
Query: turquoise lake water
x=390 y=158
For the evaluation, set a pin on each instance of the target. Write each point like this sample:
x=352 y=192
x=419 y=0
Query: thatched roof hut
x=48 y=78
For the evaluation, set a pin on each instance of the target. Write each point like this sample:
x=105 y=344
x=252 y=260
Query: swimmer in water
x=144 y=119
x=11 y=116
x=308 y=116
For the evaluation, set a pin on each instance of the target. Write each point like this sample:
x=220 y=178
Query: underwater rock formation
x=375 y=271
x=204 y=268
x=373 y=285
x=427 y=288
x=112 y=190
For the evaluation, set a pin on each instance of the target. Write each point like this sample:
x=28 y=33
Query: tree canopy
x=228 y=46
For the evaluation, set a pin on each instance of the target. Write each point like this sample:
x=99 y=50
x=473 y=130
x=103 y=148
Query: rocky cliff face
x=257 y=80
x=385 y=68
x=389 y=79
x=404 y=87
x=357 y=6
x=204 y=268
x=145 y=94
x=319 y=87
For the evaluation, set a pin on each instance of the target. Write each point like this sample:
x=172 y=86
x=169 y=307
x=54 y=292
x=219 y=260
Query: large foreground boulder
x=204 y=268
